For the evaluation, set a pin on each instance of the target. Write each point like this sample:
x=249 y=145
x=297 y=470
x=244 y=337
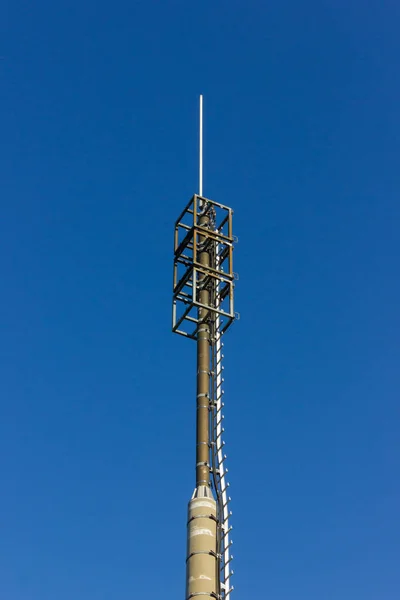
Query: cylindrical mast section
x=202 y=576
x=203 y=371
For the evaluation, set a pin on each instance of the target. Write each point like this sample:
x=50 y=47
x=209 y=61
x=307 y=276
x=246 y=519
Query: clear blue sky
x=98 y=154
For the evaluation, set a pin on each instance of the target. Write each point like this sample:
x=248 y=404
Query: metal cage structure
x=190 y=276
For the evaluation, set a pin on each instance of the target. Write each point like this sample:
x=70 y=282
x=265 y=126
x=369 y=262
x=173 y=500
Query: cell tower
x=203 y=310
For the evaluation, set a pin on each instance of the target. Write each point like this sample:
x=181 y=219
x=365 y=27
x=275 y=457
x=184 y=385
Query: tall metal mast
x=203 y=310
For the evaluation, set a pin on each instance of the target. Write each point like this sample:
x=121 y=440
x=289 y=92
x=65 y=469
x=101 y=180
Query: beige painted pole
x=202 y=562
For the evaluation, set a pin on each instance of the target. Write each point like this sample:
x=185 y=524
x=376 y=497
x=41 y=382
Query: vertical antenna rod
x=201 y=147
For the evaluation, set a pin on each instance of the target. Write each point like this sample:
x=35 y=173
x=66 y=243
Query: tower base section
x=202 y=579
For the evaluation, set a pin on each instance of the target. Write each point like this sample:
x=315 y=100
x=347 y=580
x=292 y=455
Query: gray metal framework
x=190 y=276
